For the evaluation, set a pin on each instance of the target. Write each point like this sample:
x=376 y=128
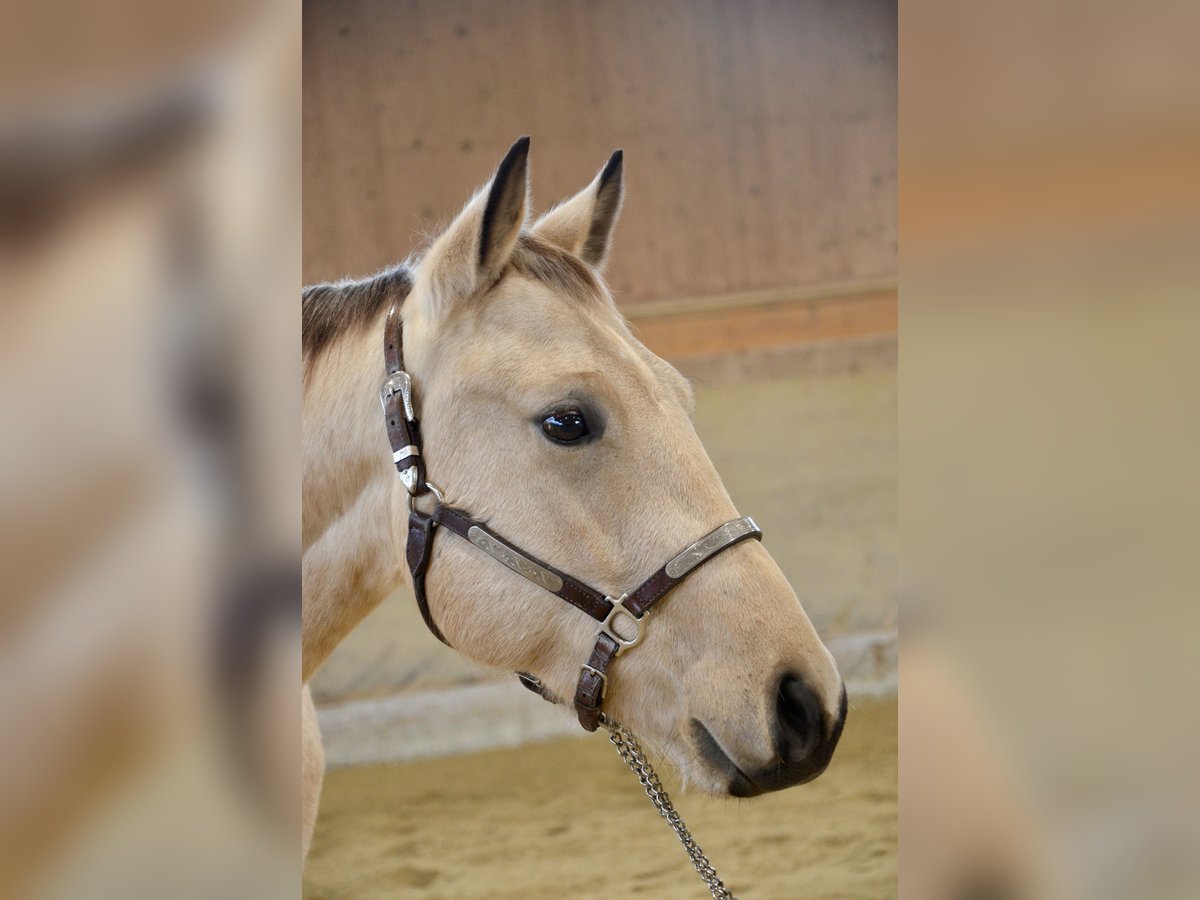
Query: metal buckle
x=398 y=383
x=603 y=679
x=606 y=627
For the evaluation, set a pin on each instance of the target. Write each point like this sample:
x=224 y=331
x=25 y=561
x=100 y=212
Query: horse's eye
x=565 y=426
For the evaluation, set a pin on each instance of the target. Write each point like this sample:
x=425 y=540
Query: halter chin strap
x=622 y=620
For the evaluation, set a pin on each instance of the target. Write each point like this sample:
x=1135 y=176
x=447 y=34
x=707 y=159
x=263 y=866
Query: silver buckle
x=603 y=679
x=606 y=627
x=398 y=383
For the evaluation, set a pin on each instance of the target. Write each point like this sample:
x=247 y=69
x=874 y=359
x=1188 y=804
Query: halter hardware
x=619 y=609
x=583 y=669
x=404 y=433
x=398 y=383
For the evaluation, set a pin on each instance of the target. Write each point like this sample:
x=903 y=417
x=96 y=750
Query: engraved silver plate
x=711 y=543
x=522 y=565
x=405 y=452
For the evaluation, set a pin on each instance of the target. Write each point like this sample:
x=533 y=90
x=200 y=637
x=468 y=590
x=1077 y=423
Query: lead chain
x=631 y=752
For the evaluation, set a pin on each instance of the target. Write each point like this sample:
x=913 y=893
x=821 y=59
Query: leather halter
x=622 y=620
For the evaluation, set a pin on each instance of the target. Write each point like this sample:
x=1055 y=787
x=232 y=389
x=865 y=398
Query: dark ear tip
x=514 y=159
x=612 y=167
x=515 y=156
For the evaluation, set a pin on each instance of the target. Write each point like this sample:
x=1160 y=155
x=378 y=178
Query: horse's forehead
x=524 y=301
x=523 y=336
x=524 y=318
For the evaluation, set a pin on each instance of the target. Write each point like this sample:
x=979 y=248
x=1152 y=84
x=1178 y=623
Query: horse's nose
x=801 y=724
x=806 y=734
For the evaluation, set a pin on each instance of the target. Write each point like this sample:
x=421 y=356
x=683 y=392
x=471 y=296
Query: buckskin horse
x=550 y=441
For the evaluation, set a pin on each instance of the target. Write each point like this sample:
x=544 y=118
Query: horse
x=545 y=416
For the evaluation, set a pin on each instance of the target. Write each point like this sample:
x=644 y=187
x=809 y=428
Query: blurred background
x=757 y=252
x=1050 y=221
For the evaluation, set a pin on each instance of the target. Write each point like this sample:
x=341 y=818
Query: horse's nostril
x=800 y=718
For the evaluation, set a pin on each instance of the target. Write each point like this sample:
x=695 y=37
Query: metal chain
x=631 y=751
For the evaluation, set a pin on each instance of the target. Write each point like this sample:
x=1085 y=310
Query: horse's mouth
x=740 y=784
x=793 y=764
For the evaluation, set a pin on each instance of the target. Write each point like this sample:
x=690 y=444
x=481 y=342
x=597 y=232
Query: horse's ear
x=583 y=225
x=472 y=252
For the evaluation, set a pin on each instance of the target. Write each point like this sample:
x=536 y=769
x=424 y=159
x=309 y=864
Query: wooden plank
x=711 y=332
x=721 y=302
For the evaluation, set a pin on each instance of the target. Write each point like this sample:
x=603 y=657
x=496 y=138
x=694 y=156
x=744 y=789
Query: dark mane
x=330 y=310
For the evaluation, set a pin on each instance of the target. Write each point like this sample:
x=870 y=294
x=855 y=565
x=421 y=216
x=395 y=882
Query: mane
x=332 y=309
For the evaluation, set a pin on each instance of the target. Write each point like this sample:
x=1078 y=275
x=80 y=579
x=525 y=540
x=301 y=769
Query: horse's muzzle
x=805 y=738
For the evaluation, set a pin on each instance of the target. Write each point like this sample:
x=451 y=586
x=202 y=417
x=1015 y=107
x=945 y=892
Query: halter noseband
x=630 y=610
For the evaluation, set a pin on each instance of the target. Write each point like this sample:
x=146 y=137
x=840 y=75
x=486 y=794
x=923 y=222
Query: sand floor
x=529 y=823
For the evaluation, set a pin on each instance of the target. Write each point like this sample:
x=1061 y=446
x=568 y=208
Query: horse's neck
x=351 y=549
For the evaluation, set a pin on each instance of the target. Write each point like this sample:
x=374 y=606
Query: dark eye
x=565 y=425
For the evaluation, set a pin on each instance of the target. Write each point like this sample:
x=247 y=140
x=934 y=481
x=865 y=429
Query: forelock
x=556 y=268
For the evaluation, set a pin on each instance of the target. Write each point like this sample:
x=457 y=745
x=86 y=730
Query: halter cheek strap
x=622 y=620
x=404 y=430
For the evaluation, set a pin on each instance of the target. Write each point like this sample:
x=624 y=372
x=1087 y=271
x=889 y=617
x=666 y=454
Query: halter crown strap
x=622 y=620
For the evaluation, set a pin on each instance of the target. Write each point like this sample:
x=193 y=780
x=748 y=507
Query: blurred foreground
x=149 y=254
x=1050 y=211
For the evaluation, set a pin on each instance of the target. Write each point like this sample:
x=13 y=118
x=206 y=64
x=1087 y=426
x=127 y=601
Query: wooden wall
x=759 y=136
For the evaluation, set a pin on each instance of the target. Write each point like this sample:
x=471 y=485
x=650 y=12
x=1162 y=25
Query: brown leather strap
x=575 y=592
x=593 y=682
x=393 y=340
x=654 y=588
x=403 y=428
x=418 y=550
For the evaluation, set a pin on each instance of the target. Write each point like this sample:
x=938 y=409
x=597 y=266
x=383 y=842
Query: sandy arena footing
x=566 y=819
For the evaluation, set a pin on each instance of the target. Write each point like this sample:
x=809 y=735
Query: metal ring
x=430 y=488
